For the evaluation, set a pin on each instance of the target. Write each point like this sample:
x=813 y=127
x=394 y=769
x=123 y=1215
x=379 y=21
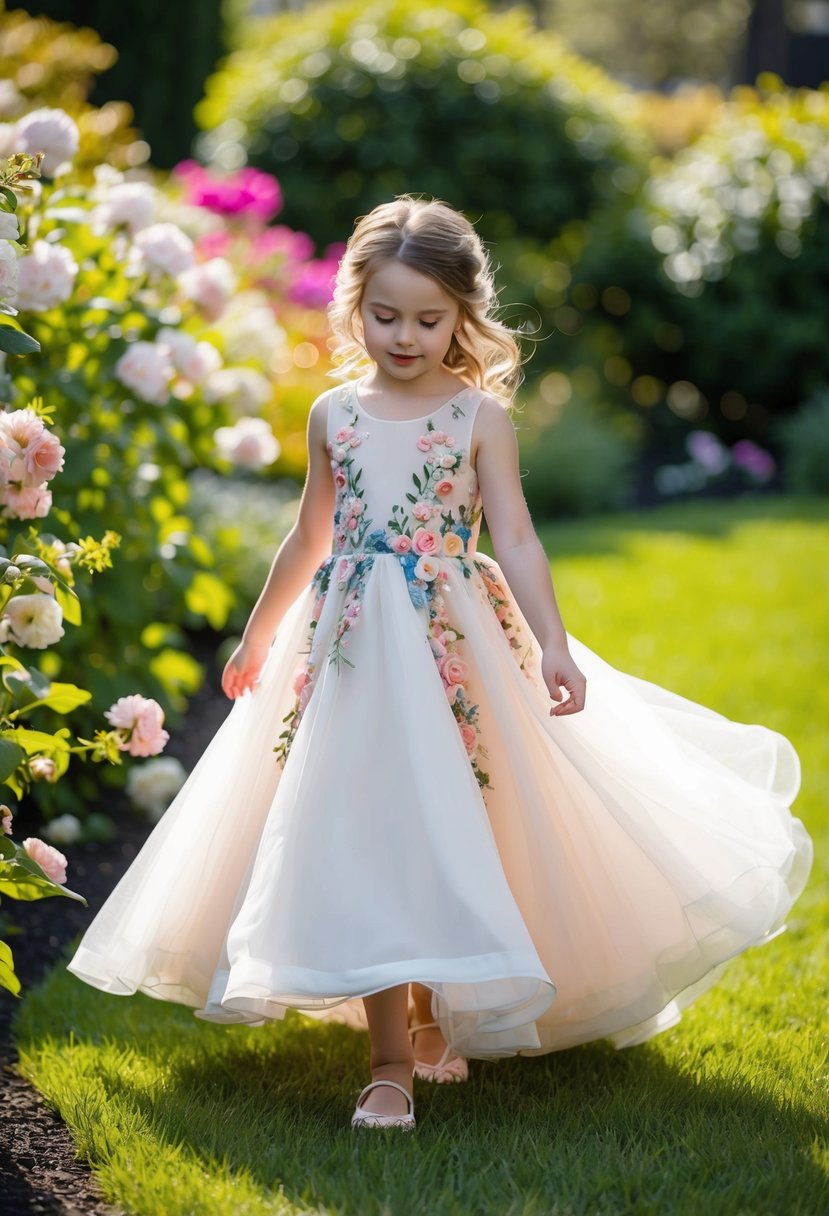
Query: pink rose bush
x=138 y=722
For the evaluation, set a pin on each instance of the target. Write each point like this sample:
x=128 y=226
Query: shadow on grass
x=587 y=1130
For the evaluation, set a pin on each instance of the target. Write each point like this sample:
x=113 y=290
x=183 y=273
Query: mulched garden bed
x=39 y=1172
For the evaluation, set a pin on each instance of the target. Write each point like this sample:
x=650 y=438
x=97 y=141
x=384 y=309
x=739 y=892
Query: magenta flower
x=281 y=240
x=314 y=284
x=249 y=191
x=754 y=460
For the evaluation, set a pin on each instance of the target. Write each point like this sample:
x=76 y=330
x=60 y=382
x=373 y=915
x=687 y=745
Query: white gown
x=552 y=880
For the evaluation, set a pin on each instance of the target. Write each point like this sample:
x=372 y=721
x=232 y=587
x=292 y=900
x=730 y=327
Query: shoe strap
x=423 y=1026
x=382 y=1081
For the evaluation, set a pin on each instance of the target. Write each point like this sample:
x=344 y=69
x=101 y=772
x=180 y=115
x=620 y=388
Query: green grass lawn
x=725 y=1113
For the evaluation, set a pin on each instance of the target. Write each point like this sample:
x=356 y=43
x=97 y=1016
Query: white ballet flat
x=367 y=1118
x=446 y=1071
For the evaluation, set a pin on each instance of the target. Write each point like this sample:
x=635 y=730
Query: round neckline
x=402 y=421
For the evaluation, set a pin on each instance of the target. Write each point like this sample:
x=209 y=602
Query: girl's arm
x=520 y=553
x=299 y=555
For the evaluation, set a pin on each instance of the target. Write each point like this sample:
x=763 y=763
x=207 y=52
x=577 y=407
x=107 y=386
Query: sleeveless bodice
x=404 y=485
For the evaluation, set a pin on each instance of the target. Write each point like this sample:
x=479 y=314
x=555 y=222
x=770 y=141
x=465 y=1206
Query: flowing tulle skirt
x=616 y=860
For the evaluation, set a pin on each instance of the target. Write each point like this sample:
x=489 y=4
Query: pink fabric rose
x=422 y=511
x=469 y=736
x=401 y=544
x=444 y=487
x=438 y=648
x=425 y=541
x=143 y=718
x=453 y=669
x=51 y=861
x=340 y=479
x=343 y=434
x=448 y=462
x=302 y=678
x=424 y=443
x=438 y=437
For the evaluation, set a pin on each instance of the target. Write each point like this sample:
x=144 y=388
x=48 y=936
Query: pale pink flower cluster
x=124 y=204
x=30 y=456
x=352 y=509
x=345 y=438
x=161 y=248
x=244 y=389
x=209 y=285
x=147 y=369
x=194 y=360
x=249 y=443
x=142 y=719
x=51 y=861
x=45 y=277
x=33 y=621
x=51 y=132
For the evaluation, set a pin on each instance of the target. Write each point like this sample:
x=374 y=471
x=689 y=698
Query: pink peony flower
x=45 y=277
x=143 y=718
x=469 y=736
x=248 y=191
x=314 y=284
x=401 y=544
x=51 y=861
x=36 y=453
x=444 y=487
x=249 y=443
x=52 y=132
x=425 y=541
x=422 y=511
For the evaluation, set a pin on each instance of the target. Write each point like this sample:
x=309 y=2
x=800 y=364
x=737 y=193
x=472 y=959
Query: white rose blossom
x=161 y=247
x=8 y=277
x=8 y=226
x=153 y=785
x=147 y=370
x=194 y=360
x=51 y=132
x=129 y=203
x=250 y=330
x=34 y=620
x=209 y=285
x=250 y=443
x=244 y=389
x=45 y=277
x=65 y=829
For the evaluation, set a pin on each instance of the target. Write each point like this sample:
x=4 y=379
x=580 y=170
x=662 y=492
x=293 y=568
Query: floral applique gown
x=392 y=802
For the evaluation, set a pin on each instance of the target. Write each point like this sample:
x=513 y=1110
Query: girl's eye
x=383 y=320
x=428 y=324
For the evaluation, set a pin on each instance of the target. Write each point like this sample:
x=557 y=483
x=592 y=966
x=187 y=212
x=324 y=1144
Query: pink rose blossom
x=444 y=487
x=352 y=524
x=424 y=443
x=340 y=479
x=28 y=502
x=453 y=669
x=305 y=696
x=143 y=718
x=449 y=440
x=354 y=441
x=422 y=511
x=448 y=462
x=438 y=437
x=501 y=613
x=51 y=861
x=401 y=544
x=301 y=680
x=438 y=648
x=425 y=541
x=451 y=691
x=469 y=736
x=345 y=432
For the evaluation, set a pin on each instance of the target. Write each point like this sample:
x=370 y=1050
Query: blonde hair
x=435 y=239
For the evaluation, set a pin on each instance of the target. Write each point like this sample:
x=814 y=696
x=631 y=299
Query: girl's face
x=407 y=320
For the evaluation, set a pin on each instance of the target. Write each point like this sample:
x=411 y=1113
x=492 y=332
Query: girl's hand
x=559 y=670
x=243 y=667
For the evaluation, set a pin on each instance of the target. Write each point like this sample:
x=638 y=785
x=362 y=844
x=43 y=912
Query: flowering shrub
x=171 y=340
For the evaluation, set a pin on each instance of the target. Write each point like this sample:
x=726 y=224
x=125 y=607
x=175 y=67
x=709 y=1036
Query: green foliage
x=578 y=464
x=805 y=441
x=350 y=104
x=724 y=1114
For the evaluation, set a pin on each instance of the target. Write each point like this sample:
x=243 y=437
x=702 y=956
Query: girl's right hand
x=243 y=668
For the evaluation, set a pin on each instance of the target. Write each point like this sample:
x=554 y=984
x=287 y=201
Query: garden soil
x=39 y=1171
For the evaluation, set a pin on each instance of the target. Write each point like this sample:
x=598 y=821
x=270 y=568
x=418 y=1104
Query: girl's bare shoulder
x=493 y=426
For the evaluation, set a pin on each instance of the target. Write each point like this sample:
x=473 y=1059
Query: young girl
x=402 y=795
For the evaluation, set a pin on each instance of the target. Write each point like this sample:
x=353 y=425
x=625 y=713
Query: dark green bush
x=350 y=104
x=805 y=441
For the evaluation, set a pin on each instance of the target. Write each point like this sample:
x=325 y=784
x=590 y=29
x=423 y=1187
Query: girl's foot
x=433 y=1059
x=383 y=1100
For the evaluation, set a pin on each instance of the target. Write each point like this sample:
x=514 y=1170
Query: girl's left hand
x=560 y=671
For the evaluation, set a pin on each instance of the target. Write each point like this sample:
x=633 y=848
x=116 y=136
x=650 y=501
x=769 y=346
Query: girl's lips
x=403 y=358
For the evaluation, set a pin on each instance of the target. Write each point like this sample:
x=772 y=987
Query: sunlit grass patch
x=726 y=1114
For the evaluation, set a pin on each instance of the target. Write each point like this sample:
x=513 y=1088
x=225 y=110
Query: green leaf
x=69 y=604
x=15 y=342
x=62 y=698
x=10 y=197
x=23 y=879
x=11 y=756
x=8 y=979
